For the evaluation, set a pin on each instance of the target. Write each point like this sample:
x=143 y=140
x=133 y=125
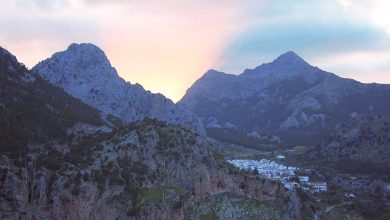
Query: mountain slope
x=147 y=170
x=84 y=71
x=287 y=98
x=359 y=146
x=32 y=111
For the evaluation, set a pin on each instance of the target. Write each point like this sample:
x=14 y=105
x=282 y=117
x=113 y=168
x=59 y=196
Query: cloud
x=166 y=45
x=163 y=45
x=369 y=66
x=318 y=31
x=306 y=38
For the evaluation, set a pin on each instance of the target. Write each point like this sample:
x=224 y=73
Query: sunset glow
x=166 y=45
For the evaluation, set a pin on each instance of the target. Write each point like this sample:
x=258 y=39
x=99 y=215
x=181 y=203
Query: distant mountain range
x=286 y=100
x=84 y=71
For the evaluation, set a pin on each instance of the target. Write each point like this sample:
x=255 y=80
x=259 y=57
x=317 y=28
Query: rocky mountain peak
x=84 y=46
x=87 y=53
x=288 y=63
x=79 y=65
x=84 y=71
x=289 y=58
x=289 y=55
x=212 y=73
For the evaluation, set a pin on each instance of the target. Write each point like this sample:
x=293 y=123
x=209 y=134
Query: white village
x=287 y=175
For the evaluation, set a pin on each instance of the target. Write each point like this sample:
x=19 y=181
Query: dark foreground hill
x=360 y=147
x=147 y=170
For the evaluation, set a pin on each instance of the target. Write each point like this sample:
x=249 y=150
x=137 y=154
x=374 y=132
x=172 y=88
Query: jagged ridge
x=84 y=71
x=288 y=98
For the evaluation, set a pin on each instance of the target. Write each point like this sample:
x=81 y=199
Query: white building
x=318 y=186
x=272 y=170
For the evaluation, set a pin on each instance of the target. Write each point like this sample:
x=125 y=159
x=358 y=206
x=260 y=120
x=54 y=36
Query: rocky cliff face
x=84 y=72
x=148 y=170
x=287 y=98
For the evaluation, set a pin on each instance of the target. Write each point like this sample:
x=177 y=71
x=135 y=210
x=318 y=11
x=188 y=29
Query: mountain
x=34 y=112
x=84 y=71
x=287 y=99
x=63 y=159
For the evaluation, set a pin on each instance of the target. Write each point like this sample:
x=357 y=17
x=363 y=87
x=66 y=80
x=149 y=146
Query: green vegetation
x=169 y=195
x=141 y=198
x=234 y=137
x=224 y=164
x=227 y=206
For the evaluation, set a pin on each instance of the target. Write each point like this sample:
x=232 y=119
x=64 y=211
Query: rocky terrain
x=147 y=170
x=287 y=100
x=360 y=146
x=84 y=71
x=62 y=159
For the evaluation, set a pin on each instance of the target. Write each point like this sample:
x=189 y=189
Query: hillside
x=146 y=170
x=360 y=146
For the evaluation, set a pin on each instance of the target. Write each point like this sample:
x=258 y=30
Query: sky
x=166 y=45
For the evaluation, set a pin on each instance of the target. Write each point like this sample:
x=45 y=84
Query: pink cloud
x=164 y=46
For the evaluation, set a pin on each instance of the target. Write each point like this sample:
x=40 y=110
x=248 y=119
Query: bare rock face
x=148 y=170
x=287 y=98
x=84 y=71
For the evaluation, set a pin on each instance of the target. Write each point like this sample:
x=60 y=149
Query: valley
x=345 y=195
x=357 y=195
